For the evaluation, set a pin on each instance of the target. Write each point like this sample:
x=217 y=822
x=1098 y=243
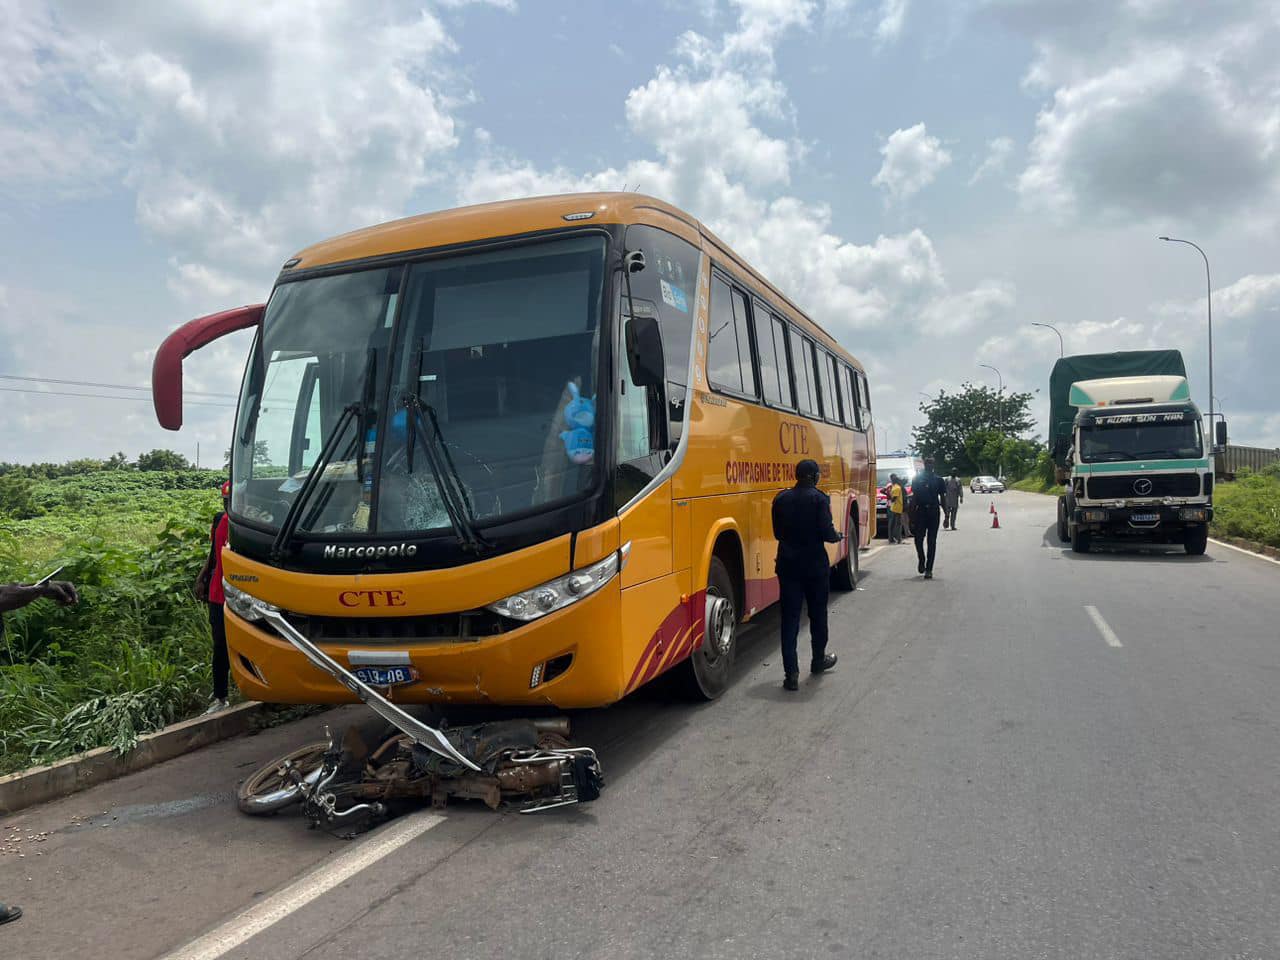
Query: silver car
x=986 y=485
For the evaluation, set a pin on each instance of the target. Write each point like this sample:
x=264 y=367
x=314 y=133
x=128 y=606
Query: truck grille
x=1122 y=487
x=441 y=628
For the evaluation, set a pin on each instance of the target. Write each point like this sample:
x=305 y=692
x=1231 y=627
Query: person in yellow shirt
x=895 y=509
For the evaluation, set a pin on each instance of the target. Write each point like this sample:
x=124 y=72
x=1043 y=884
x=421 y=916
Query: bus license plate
x=386 y=676
x=1144 y=517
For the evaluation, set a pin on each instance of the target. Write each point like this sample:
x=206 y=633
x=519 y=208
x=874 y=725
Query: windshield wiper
x=312 y=481
x=453 y=494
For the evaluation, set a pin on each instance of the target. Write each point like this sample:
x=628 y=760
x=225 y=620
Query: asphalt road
x=992 y=771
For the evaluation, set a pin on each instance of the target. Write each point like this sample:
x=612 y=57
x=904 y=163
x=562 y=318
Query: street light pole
x=1001 y=395
x=1050 y=326
x=1000 y=408
x=1208 y=299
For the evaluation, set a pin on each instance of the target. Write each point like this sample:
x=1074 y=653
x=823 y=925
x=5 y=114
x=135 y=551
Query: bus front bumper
x=570 y=646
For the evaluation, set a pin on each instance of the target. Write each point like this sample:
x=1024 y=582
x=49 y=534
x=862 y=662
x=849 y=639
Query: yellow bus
x=520 y=453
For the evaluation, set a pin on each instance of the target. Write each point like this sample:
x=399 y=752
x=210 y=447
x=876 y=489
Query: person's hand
x=60 y=592
x=201 y=588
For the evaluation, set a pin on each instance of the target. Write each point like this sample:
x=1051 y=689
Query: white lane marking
x=1108 y=634
x=871 y=553
x=1247 y=553
x=324 y=878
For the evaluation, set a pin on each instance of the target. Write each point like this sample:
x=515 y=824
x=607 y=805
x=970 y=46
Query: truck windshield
x=501 y=348
x=1140 y=441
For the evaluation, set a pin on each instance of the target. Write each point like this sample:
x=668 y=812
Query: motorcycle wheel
x=266 y=791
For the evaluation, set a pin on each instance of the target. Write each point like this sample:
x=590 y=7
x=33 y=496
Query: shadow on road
x=1103 y=551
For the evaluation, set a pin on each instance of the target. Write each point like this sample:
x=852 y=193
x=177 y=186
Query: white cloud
x=993 y=164
x=912 y=160
x=245 y=131
x=893 y=14
x=1159 y=109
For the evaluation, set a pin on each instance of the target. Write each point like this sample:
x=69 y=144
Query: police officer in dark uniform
x=801 y=525
x=928 y=494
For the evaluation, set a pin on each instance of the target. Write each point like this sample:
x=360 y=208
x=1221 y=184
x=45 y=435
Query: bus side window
x=723 y=368
x=865 y=397
x=770 y=372
x=746 y=363
x=784 y=364
x=852 y=415
x=831 y=402
x=669 y=284
x=802 y=368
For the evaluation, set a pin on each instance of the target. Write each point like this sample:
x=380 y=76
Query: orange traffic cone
x=995 y=520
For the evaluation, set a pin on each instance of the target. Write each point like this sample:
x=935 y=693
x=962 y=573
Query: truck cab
x=1140 y=470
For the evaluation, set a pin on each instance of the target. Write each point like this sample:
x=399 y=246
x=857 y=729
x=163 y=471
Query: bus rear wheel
x=705 y=674
x=844 y=575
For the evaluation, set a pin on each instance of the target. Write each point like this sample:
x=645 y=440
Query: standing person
x=955 y=497
x=15 y=596
x=209 y=589
x=928 y=491
x=801 y=525
x=896 y=497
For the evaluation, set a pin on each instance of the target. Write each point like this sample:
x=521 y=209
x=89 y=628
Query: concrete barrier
x=40 y=784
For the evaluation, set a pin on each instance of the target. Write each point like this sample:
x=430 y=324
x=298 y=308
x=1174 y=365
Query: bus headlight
x=246 y=606
x=1192 y=513
x=559 y=593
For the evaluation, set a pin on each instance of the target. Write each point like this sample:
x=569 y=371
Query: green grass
x=134 y=654
x=1034 y=484
x=1249 y=508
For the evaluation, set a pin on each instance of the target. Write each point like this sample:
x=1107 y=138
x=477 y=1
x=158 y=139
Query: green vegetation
x=978 y=431
x=134 y=654
x=1249 y=507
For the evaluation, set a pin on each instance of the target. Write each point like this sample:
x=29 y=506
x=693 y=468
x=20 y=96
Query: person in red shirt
x=209 y=589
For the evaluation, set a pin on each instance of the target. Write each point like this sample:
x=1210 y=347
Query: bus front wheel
x=705 y=674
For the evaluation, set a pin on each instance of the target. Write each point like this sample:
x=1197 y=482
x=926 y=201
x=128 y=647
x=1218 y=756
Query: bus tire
x=1195 y=539
x=1064 y=531
x=844 y=575
x=705 y=674
x=1081 y=541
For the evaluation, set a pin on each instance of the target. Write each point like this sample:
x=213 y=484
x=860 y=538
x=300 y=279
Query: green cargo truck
x=1129 y=446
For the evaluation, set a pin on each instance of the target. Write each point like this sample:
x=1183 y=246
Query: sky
x=926 y=179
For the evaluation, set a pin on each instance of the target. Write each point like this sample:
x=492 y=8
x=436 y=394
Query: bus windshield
x=1100 y=443
x=490 y=360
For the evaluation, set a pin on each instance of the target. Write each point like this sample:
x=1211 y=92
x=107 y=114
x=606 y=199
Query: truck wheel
x=1064 y=531
x=704 y=675
x=1195 y=539
x=1081 y=541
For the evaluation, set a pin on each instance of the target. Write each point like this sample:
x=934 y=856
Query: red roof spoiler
x=166 y=372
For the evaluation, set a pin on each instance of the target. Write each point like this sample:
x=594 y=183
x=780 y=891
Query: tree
x=16 y=500
x=117 y=461
x=261 y=455
x=955 y=418
x=162 y=460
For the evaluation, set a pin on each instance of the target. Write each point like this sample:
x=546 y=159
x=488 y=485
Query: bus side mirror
x=644 y=352
x=166 y=370
x=1220 y=433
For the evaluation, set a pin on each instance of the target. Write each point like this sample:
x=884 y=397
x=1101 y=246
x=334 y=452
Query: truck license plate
x=1144 y=517
x=386 y=676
